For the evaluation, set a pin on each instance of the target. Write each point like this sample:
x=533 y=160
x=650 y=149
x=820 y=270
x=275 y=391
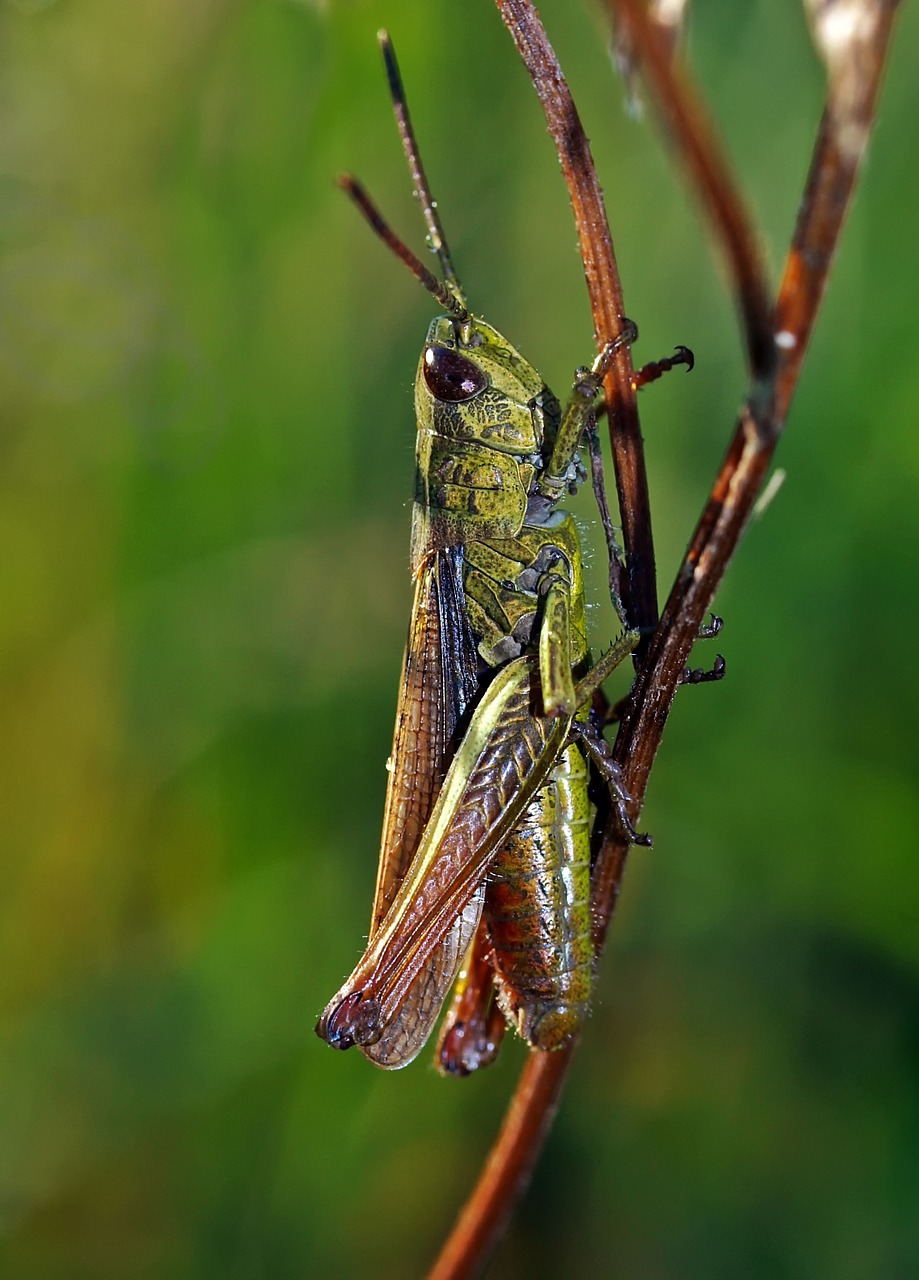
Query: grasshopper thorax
x=486 y=421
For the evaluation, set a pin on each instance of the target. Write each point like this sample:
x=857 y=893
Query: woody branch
x=852 y=37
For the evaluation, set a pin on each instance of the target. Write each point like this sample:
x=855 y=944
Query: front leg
x=559 y=474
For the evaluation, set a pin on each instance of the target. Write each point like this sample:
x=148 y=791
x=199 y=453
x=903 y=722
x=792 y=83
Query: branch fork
x=852 y=37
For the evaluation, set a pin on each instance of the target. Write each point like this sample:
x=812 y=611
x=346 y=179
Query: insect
x=485 y=852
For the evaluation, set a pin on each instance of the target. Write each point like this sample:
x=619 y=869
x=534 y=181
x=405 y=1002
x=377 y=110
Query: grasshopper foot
x=697 y=675
x=657 y=368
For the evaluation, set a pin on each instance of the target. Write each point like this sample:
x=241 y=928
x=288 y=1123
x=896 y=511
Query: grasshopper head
x=472 y=385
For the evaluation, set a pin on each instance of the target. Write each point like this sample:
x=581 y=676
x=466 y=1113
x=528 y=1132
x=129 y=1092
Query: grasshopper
x=485 y=851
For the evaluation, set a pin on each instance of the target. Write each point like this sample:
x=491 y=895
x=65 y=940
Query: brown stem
x=696 y=143
x=840 y=146
x=605 y=293
x=775 y=368
x=507 y=1170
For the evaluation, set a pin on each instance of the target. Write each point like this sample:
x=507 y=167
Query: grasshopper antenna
x=436 y=235
x=444 y=295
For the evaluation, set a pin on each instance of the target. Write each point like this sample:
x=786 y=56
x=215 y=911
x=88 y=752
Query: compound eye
x=452 y=377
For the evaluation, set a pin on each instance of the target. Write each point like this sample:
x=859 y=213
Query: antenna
x=416 y=168
x=441 y=292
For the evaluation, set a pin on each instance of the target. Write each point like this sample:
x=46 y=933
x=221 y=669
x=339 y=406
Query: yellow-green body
x=487 y=816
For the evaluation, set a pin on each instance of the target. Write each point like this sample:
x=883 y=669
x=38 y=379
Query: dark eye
x=451 y=376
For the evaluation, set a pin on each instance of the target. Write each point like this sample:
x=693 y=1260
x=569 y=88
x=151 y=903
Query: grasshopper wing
x=439 y=681
x=390 y=1003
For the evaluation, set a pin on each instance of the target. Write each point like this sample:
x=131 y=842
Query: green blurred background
x=205 y=371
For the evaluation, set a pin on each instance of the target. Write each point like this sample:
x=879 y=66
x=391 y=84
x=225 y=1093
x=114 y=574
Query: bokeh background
x=205 y=376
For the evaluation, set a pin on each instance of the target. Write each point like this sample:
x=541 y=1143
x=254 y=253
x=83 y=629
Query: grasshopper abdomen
x=537 y=910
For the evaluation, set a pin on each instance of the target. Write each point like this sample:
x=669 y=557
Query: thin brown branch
x=853 y=86
x=605 y=293
x=840 y=146
x=855 y=62
x=696 y=144
x=839 y=149
x=507 y=1170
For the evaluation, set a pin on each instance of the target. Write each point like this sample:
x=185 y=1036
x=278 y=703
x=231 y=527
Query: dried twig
x=853 y=36
x=605 y=291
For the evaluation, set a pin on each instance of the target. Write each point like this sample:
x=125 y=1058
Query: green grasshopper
x=485 y=850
